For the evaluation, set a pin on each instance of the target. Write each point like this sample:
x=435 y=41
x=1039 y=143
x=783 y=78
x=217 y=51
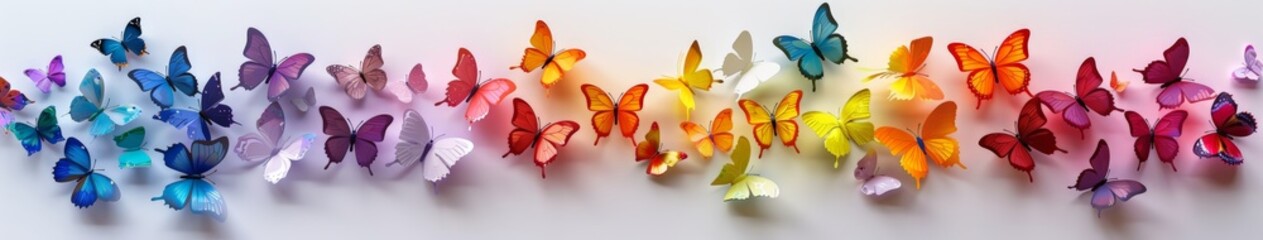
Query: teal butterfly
x=91 y=107
x=45 y=130
x=825 y=44
x=132 y=141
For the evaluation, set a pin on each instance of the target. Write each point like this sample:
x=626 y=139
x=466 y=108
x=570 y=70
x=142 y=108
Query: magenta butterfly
x=1163 y=137
x=1168 y=73
x=1229 y=124
x=262 y=69
x=343 y=139
x=1106 y=192
x=1088 y=96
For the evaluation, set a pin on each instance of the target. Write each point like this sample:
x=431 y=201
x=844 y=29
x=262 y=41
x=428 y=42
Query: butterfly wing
x=1252 y=69
x=550 y=139
x=189 y=120
x=131 y=38
x=1068 y=106
x=831 y=45
x=349 y=78
x=160 y=91
x=339 y=132
x=700 y=138
x=981 y=81
x=631 y=102
x=466 y=72
x=489 y=94
x=1178 y=92
x=541 y=49
x=649 y=148
x=178 y=75
x=131 y=143
x=278 y=166
x=801 y=52
x=205 y=200
x=904 y=145
x=1111 y=192
x=761 y=123
x=829 y=128
x=259 y=54
x=1165 y=136
x=721 y=130
x=205 y=155
x=1215 y=145
x=371 y=67
x=306 y=101
x=752 y=186
x=736 y=169
x=525 y=124
x=1030 y=126
x=562 y=63
x=212 y=110
x=786 y=112
x=741 y=59
x=1100 y=162
x=290 y=69
x=416 y=79
x=1011 y=73
x=112 y=49
x=443 y=156
x=686 y=94
x=27 y=136
x=1230 y=122
x=412 y=139
x=47 y=126
x=758 y=73
x=76 y=164
x=368 y=135
x=603 y=116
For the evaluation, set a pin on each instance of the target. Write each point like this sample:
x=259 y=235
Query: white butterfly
x=1253 y=67
x=265 y=145
x=739 y=66
x=305 y=102
x=873 y=184
x=437 y=156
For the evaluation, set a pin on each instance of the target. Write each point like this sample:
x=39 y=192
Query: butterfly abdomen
x=473 y=91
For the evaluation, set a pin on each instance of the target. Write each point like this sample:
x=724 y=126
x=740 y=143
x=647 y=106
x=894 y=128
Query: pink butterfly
x=45 y=80
x=416 y=84
x=357 y=81
x=1168 y=74
x=1163 y=137
x=1088 y=96
x=466 y=88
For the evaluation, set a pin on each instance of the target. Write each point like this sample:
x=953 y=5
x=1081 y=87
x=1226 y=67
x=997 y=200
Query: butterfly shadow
x=206 y=226
x=101 y=214
x=138 y=176
x=753 y=208
x=1217 y=174
x=1117 y=221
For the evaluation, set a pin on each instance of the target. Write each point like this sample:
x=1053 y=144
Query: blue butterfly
x=117 y=50
x=46 y=130
x=77 y=166
x=197 y=122
x=825 y=45
x=91 y=106
x=162 y=88
x=193 y=191
x=132 y=143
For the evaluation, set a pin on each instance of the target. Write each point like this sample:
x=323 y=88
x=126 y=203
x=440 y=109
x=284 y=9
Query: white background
x=598 y=192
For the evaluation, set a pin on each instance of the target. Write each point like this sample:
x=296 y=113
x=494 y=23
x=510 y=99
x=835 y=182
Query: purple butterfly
x=1253 y=68
x=1105 y=192
x=197 y=122
x=343 y=139
x=45 y=80
x=261 y=67
x=873 y=184
x=1175 y=90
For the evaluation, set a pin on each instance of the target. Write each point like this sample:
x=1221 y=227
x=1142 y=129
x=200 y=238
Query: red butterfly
x=1030 y=134
x=527 y=133
x=466 y=88
x=1228 y=124
x=1163 y=137
x=1088 y=96
x=1168 y=73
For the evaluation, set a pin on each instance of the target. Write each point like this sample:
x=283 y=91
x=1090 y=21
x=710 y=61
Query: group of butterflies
x=438 y=154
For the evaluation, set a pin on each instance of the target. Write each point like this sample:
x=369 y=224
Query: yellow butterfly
x=767 y=124
x=836 y=130
x=691 y=78
x=932 y=143
x=905 y=64
x=741 y=184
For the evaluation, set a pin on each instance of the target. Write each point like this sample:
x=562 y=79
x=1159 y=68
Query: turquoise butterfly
x=825 y=45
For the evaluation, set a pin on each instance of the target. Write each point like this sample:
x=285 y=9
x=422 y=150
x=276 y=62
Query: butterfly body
x=606 y=113
x=850 y=125
x=1088 y=96
x=357 y=81
x=1163 y=137
x=117 y=50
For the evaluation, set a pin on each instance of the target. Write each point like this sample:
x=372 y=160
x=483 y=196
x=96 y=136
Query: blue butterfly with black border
x=162 y=88
x=197 y=122
x=117 y=49
x=46 y=130
x=825 y=44
x=193 y=191
x=90 y=185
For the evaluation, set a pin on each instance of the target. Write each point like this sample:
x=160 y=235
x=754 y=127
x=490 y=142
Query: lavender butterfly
x=1253 y=67
x=306 y=101
x=55 y=75
x=261 y=68
x=1105 y=192
x=266 y=145
x=437 y=155
x=873 y=184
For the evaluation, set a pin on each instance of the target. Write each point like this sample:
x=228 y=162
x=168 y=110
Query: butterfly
x=161 y=88
x=1031 y=134
x=343 y=139
x=46 y=130
x=415 y=83
x=6 y=118
x=1168 y=74
x=305 y=102
x=1088 y=96
x=262 y=68
x=357 y=81
x=905 y=65
x=1229 y=124
x=90 y=185
x=1163 y=137
x=1253 y=67
x=873 y=184
x=437 y=156
x=132 y=143
x=56 y=74
x=767 y=125
x=12 y=99
x=1118 y=85
x=547 y=139
x=933 y=142
x=660 y=160
x=197 y=122
x=542 y=55
x=267 y=144
x=691 y=79
x=825 y=44
x=741 y=184
x=466 y=88
x=740 y=66
x=1004 y=68
x=606 y=113
x=91 y=106
x=117 y=49
x=1105 y=192
x=193 y=191
x=836 y=130
x=719 y=136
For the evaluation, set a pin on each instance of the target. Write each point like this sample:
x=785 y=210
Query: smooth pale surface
x=599 y=192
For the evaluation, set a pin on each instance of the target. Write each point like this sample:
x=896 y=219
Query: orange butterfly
x=905 y=65
x=1004 y=68
x=933 y=142
x=1118 y=85
x=607 y=114
x=659 y=159
x=719 y=135
x=541 y=55
x=766 y=125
